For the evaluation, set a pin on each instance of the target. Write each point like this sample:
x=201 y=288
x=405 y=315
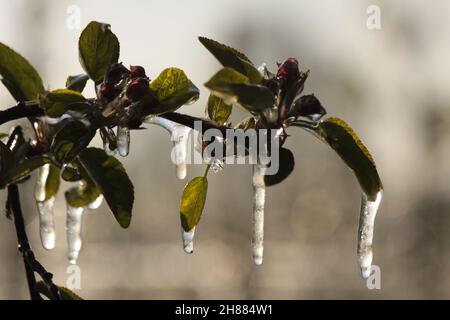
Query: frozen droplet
x=179 y=135
x=41 y=180
x=123 y=141
x=106 y=148
x=73 y=232
x=188 y=240
x=259 y=195
x=217 y=165
x=96 y=203
x=365 y=232
x=47 y=223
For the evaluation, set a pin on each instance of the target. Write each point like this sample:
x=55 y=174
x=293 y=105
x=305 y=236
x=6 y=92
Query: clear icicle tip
x=188 y=240
x=123 y=141
x=73 y=232
x=47 y=223
x=96 y=203
x=365 y=232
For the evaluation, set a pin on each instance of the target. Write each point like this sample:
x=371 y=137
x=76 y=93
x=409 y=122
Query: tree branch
x=31 y=264
x=27 y=109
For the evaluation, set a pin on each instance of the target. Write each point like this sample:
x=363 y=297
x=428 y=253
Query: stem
x=21 y=110
x=31 y=264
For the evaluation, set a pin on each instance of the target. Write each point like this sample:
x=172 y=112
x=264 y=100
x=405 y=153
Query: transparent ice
x=123 y=140
x=188 y=240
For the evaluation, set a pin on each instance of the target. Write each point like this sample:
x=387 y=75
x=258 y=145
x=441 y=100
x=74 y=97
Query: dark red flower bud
x=289 y=70
x=116 y=72
x=308 y=106
x=137 y=72
x=273 y=84
x=137 y=89
x=108 y=92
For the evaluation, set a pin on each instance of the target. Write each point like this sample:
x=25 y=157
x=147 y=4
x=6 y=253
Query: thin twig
x=26 y=109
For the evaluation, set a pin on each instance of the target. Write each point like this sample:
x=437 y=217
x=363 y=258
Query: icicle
x=96 y=203
x=45 y=209
x=41 y=179
x=123 y=141
x=188 y=240
x=73 y=232
x=179 y=135
x=365 y=232
x=47 y=223
x=259 y=194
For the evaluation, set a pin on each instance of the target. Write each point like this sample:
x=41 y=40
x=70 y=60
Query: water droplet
x=365 y=232
x=217 y=165
x=41 y=179
x=73 y=232
x=47 y=223
x=96 y=203
x=188 y=240
x=259 y=196
x=123 y=141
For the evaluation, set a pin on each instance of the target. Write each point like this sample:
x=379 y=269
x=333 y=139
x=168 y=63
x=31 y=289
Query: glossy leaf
x=84 y=193
x=110 y=177
x=70 y=174
x=18 y=75
x=22 y=169
x=349 y=147
x=234 y=87
x=73 y=137
x=232 y=58
x=52 y=182
x=286 y=166
x=173 y=89
x=65 y=293
x=58 y=102
x=192 y=202
x=218 y=110
x=98 y=49
x=77 y=83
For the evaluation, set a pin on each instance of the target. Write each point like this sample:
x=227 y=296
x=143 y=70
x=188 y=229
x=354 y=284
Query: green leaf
x=217 y=110
x=58 y=102
x=110 y=177
x=18 y=75
x=84 y=193
x=65 y=293
x=232 y=58
x=98 y=49
x=192 y=202
x=247 y=123
x=73 y=137
x=173 y=89
x=234 y=87
x=70 y=174
x=77 y=83
x=286 y=166
x=349 y=147
x=22 y=169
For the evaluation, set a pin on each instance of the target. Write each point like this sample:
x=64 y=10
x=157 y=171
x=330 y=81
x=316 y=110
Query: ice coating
x=96 y=203
x=179 y=135
x=47 y=223
x=123 y=141
x=188 y=240
x=73 y=232
x=41 y=179
x=365 y=232
x=259 y=195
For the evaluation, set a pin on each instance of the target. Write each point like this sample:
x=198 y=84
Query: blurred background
x=391 y=85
